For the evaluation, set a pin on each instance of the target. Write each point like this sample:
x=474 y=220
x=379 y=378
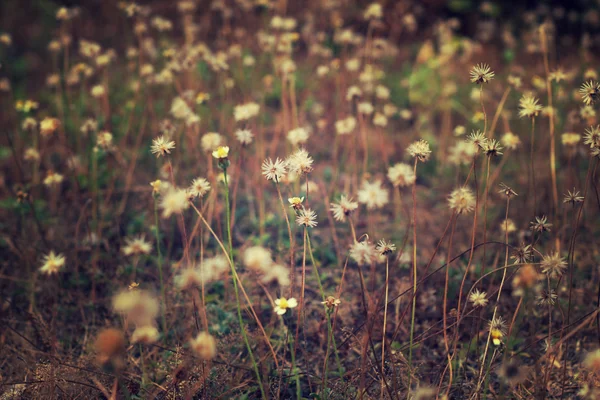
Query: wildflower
x=497 y=328
x=507 y=191
x=546 y=298
x=557 y=75
x=592 y=361
x=592 y=136
x=204 y=345
x=31 y=154
x=522 y=254
x=136 y=246
x=307 y=217
x=587 y=112
x=481 y=73
x=110 y=347
x=300 y=162
x=199 y=187
x=553 y=265
x=380 y=120
x=479 y=299
x=296 y=202
x=211 y=141
x=161 y=146
x=401 y=174
x=461 y=200
x=343 y=209
x=52 y=263
x=189 y=278
x=365 y=108
x=174 y=201
x=297 y=136
x=157 y=185
x=373 y=195
x=202 y=97
x=48 y=126
x=331 y=302
x=373 y=11
x=510 y=140
x=508 y=226
x=570 y=138
x=419 y=149
x=590 y=91
x=221 y=152
x=345 y=126
x=364 y=253
x=97 y=91
x=282 y=304
x=385 y=248
x=145 y=334
x=137 y=305
x=540 y=224
x=133 y=286
x=180 y=109
x=528 y=106
x=573 y=197
x=273 y=171
x=478 y=139
x=246 y=111
x=244 y=136
x=53 y=179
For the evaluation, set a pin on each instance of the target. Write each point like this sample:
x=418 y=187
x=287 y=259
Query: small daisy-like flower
x=522 y=254
x=307 y=217
x=497 y=328
x=53 y=178
x=553 y=265
x=557 y=75
x=52 y=263
x=282 y=305
x=331 y=302
x=244 y=136
x=137 y=245
x=573 y=197
x=48 y=126
x=273 y=171
x=161 y=146
x=462 y=200
x=298 y=136
x=481 y=73
x=221 y=152
x=385 y=248
x=540 y=224
x=300 y=162
x=373 y=195
x=296 y=202
x=174 y=201
x=204 y=345
x=401 y=174
x=343 y=209
x=477 y=138
x=199 y=187
x=419 y=149
x=590 y=92
x=156 y=186
x=479 y=299
x=507 y=191
x=591 y=137
x=528 y=106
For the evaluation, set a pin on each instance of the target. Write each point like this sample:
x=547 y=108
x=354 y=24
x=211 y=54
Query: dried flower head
x=590 y=92
x=553 y=265
x=244 y=136
x=174 y=201
x=546 y=297
x=522 y=254
x=401 y=174
x=274 y=171
x=199 y=187
x=591 y=137
x=419 y=149
x=343 y=209
x=497 y=328
x=299 y=162
x=204 y=345
x=481 y=73
x=506 y=191
x=147 y=334
x=136 y=246
x=461 y=200
x=331 y=302
x=540 y=224
x=528 y=106
x=479 y=299
x=477 y=138
x=385 y=248
x=373 y=194
x=162 y=146
x=307 y=217
x=52 y=263
x=573 y=197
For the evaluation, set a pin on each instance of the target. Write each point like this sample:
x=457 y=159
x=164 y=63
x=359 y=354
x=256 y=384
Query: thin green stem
x=160 y=267
x=414 y=272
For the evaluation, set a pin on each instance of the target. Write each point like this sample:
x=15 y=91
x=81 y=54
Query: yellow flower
x=221 y=152
x=52 y=263
x=282 y=304
x=156 y=185
x=202 y=97
x=296 y=202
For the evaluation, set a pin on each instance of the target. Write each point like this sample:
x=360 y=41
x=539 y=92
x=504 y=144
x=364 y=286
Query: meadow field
x=319 y=199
